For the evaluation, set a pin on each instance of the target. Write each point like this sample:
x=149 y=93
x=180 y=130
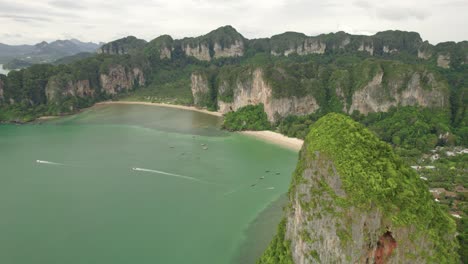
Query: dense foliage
x=251 y=117
x=279 y=251
x=373 y=176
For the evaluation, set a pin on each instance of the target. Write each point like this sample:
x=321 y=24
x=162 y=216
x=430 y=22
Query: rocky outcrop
x=234 y=50
x=379 y=97
x=352 y=200
x=120 y=79
x=369 y=48
x=59 y=87
x=443 y=60
x=200 y=89
x=423 y=54
x=199 y=51
x=165 y=53
x=2 y=85
x=256 y=91
x=306 y=47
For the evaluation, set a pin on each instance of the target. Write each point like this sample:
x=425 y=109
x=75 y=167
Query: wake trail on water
x=173 y=175
x=49 y=163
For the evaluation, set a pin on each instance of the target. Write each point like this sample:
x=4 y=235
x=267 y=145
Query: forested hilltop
x=410 y=93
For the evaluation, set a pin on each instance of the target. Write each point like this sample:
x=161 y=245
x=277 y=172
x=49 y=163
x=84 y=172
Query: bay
x=135 y=184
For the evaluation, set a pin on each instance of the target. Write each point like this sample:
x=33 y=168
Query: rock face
x=386 y=89
x=199 y=51
x=372 y=98
x=234 y=50
x=353 y=201
x=60 y=87
x=120 y=79
x=200 y=89
x=443 y=61
x=257 y=91
x=165 y=53
x=369 y=48
x=1 y=90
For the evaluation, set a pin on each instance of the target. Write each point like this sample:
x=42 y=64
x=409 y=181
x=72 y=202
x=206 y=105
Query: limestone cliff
x=1 y=90
x=301 y=89
x=352 y=200
x=62 y=86
x=120 y=79
x=200 y=89
x=255 y=90
x=376 y=96
x=235 y=49
x=116 y=79
x=199 y=51
x=443 y=60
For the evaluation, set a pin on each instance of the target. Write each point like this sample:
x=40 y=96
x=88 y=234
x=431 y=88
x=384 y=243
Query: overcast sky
x=29 y=22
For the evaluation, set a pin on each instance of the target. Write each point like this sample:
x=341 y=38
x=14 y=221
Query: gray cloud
x=397 y=13
x=105 y=20
x=65 y=4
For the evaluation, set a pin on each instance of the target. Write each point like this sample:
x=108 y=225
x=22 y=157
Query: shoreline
x=276 y=138
x=182 y=107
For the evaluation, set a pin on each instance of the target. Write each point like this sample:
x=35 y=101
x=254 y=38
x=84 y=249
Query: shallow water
x=89 y=205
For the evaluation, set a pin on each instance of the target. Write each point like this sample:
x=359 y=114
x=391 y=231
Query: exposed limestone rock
x=372 y=97
x=309 y=46
x=200 y=89
x=200 y=51
x=257 y=91
x=235 y=50
x=165 y=53
x=352 y=200
x=119 y=79
x=386 y=49
x=443 y=61
x=422 y=54
x=59 y=87
x=2 y=85
x=365 y=47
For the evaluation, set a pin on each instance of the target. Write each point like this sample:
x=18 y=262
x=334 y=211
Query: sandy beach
x=183 y=107
x=269 y=136
x=276 y=138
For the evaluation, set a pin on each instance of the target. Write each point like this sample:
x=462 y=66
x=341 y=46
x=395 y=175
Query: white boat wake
x=169 y=174
x=49 y=162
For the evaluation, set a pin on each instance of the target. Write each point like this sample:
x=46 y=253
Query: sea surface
x=3 y=71
x=137 y=184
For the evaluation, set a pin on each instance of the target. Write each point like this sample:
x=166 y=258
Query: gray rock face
x=200 y=51
x=308 y=46
x=119 y=79
x=424 y=54
x=322 y=232
x=235 y=50
x=165 y=53
x=199 y=88
x=59 y=88
x=2 y=85
x=372 y=98
x=443 y=60
x=257 y=91
x=369 y=48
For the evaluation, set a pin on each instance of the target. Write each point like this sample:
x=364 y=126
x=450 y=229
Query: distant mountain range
x=43 y=52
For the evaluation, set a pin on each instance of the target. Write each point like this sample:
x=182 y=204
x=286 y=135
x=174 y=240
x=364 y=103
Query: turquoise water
x=89 y=206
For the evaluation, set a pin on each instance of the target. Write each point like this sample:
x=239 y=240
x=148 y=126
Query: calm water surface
x=87 y=205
